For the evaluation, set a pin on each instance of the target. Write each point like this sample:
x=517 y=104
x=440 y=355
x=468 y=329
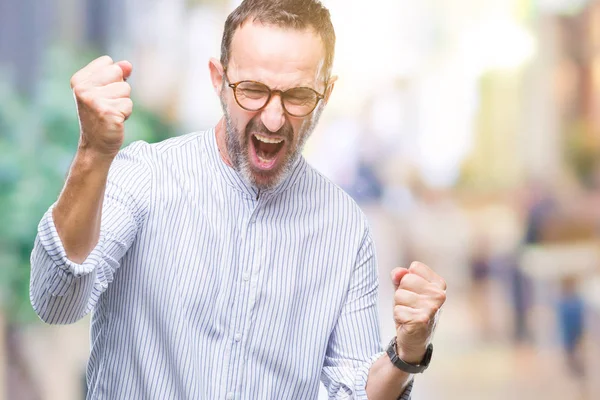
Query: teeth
x=266 y=139
x=264 y=160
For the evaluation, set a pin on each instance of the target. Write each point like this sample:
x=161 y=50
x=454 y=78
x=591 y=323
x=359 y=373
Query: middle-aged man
x=219 y=264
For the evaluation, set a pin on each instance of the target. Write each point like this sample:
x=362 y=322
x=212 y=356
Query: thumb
x=126 y=67
x=397 y=275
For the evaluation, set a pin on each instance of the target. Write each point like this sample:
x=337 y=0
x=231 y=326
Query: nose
x=272 y=116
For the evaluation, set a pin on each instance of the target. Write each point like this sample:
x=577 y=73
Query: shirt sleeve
x=354 y=344
x=62 y=291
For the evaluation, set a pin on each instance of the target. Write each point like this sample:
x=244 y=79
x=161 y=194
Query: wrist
x=412 y=355
x=408 y=362
x=88 y=158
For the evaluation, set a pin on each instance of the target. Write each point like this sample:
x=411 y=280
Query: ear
x=216 y=74
x=330 y=85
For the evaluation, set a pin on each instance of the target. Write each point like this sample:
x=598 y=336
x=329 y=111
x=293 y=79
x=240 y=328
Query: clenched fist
x=103 y=104
x=420 y=293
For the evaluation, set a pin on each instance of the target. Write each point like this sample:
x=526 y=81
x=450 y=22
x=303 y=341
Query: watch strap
x=408 y=367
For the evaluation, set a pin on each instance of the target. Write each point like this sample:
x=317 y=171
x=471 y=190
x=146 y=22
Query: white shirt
x=203 y=288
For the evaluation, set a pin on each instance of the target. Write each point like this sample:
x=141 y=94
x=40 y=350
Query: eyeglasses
x=254 y=96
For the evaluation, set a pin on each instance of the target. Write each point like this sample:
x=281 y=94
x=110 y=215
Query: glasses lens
x=251 y=95
x=300 y=101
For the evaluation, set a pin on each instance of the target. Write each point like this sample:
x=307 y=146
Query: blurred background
x=467 y=130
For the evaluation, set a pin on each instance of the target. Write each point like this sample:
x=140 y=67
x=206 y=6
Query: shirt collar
x=236 y=180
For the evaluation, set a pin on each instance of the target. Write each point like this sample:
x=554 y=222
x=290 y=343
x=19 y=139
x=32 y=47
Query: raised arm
x=103 y=105
x=82 y=238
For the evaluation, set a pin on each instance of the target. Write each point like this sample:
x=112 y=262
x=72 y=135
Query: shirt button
x=246 y=276
x=238 y=337
x=229 y=396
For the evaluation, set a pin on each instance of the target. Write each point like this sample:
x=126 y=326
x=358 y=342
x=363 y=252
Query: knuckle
x=399 y=318
x=126 y=106
x=88 y=99
x=444 y=285
x=79 y=92
x=117 y=71
x=423 y=319
x=397 y=296
x=106 y=58
x=441 y=297
x=94 y=103
x=408 y=281
x=397 y=311
x=102 y=110
x=109 y=74
x=415 y=265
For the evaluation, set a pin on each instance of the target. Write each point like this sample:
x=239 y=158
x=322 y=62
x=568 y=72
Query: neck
x=221 y=134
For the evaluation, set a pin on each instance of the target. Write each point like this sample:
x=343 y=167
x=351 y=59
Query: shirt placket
x=250 y=256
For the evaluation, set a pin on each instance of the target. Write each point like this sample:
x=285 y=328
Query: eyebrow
x=277 y=87
x=303 y=84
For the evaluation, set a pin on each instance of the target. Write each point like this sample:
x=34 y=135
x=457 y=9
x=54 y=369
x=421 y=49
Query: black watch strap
x=406 y=367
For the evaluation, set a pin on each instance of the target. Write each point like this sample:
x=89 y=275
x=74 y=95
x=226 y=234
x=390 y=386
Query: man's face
x=263 y=145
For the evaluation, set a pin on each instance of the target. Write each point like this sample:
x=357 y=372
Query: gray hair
x=295 y=14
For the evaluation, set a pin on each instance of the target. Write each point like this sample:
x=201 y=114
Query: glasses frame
x=281 y=93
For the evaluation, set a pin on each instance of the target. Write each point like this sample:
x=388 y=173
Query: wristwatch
x=406 y=367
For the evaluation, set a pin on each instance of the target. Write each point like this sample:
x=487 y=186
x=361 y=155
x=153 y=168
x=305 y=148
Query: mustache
x=256 y=126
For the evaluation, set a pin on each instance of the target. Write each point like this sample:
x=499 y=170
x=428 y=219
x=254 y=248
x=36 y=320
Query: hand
x=103 y=104
x=419 y=295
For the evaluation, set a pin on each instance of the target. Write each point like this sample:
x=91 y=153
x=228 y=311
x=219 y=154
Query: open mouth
x=266 y=150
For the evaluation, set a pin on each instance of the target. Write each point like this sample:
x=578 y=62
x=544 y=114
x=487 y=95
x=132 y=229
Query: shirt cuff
x=63 y=270
x=407 y=391
x=363 y=374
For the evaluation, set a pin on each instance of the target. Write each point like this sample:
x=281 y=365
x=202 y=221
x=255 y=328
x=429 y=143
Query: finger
x=427 y=273
x=114 y=90
x=429 y=297
x=106 y=75
x=87 y=71
x=403 y=297
x=406 y=315
x=126 y=67
x=415 y=283
x=397 y=274
x=417 y=319
x=99 y=63
x=123 y=105
x=428 y=304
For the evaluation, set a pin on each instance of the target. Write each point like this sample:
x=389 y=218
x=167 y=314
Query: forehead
x=276 y=56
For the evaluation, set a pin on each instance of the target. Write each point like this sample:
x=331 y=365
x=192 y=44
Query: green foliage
x=38 y=139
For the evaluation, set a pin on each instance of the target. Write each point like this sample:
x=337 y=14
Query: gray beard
x=238 y=150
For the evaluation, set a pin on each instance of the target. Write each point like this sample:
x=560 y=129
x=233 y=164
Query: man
x=219 y=264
